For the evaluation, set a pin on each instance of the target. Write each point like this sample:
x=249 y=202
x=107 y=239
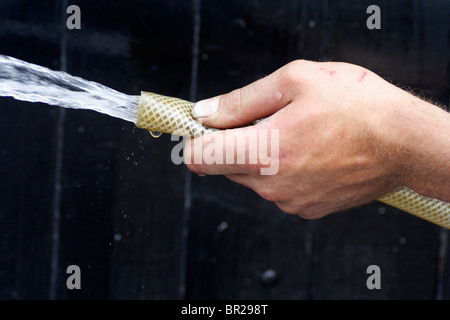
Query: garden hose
x=174 y=116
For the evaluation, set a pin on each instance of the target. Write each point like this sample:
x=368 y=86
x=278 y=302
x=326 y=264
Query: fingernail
x=205 y=108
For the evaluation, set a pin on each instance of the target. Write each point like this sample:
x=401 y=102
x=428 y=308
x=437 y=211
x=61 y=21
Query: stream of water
x=29 y=82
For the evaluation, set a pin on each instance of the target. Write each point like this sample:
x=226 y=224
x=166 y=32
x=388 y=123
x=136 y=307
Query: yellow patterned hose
x=169 y=115
x=172 y=115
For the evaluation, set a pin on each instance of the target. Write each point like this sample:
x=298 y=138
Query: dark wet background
x=78 y=187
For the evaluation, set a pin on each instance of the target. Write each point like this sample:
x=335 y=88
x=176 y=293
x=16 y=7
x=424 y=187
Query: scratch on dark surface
x=57 y=187
x=188 y=175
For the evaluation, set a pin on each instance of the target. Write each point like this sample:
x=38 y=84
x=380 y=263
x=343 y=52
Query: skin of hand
x=346 y=138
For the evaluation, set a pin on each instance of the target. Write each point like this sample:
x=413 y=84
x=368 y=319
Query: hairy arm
x=424 y=148
x=346 y=137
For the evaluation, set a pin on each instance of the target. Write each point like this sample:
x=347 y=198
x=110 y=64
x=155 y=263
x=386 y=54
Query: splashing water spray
x=156 y=113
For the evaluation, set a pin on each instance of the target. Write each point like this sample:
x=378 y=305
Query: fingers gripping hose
x=174 y=116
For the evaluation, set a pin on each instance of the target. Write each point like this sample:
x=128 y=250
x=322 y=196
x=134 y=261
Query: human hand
x=342 y=142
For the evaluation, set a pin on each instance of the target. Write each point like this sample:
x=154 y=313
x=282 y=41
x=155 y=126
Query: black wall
x=78 y=187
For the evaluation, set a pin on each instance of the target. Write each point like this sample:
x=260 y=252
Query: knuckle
x=304 y=210
x=196 y=169
x=307 y=215
x=286 y=207
x=293 y=73
x=296 y=64
x=270 y=194
x=233 y=100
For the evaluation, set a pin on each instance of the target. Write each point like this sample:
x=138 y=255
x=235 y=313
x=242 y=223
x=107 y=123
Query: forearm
x=424 y=145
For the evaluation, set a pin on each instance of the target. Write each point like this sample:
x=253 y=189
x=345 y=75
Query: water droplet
x=222 y=226
x=155 y=134
x=269 y=278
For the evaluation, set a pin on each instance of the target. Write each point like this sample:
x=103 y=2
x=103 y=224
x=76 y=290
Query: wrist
x=423 y=148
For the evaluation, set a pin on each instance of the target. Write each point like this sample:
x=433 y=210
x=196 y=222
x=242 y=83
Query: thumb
x=257 y=100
